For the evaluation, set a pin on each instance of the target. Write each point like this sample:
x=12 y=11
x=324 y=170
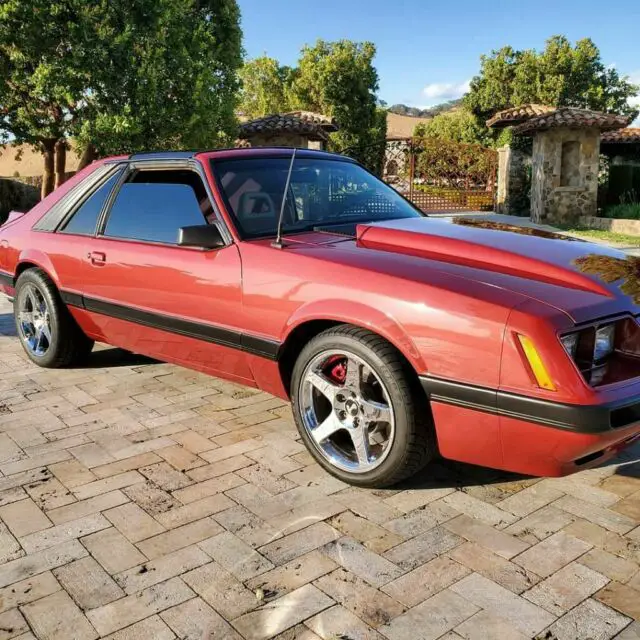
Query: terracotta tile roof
x=318 y=118
x=516 y=115
x=621 y=136
x=314 y=125
x=572 y=118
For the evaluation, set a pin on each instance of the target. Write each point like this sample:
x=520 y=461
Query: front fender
x=356 y=313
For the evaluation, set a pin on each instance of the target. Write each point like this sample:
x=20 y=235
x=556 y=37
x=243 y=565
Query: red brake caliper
x=336 y=369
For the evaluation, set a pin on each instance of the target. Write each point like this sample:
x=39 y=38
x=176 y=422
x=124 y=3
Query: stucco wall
x=282 y=140
x=558 y=197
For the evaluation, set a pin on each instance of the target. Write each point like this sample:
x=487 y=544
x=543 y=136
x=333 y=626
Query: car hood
x=582 y=279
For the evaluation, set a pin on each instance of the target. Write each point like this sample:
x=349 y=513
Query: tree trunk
x=88 y=156
x=48 y=177
x=60 y=162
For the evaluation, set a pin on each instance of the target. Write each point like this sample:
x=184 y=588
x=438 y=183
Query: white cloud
x=634 y=77
x=442 y=91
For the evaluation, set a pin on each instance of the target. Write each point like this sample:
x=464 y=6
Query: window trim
x=86 y=196
x=163 y=165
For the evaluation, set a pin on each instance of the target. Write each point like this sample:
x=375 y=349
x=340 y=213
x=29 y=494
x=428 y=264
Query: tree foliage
x=459 y=126
x=560 y=75
x=118 y=75
x=337 y=79
x=446 y=163
x=266 y=88
x=166 y=74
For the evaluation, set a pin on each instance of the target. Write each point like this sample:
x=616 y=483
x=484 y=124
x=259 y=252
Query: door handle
x=96 y=257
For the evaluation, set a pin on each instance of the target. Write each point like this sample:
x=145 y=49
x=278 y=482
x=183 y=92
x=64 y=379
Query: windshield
x=322 y=193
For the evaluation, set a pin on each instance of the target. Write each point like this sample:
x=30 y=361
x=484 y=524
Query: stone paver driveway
x=140 y=500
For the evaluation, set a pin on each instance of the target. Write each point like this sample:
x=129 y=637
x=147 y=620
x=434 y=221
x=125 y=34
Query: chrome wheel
x=34 y=321
x=346 y=411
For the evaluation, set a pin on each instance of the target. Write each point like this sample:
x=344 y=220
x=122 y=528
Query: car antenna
x=277 y=243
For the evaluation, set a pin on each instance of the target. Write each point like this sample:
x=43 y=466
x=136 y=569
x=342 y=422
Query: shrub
x=629 y=207
x=628 y=211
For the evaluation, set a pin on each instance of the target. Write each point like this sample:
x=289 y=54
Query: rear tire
x=48 y=332
x=372 y=429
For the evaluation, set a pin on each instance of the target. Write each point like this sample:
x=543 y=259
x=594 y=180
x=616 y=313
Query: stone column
x=564 y=180
x=512 y=180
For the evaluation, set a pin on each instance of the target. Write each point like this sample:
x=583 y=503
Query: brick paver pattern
x=142 y=500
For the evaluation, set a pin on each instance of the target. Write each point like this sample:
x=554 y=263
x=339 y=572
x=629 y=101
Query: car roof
x=260 y=152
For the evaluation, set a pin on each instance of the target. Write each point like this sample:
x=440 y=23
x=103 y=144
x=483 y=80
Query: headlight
x=604 y=342
x=605 y=353
x=570 y=343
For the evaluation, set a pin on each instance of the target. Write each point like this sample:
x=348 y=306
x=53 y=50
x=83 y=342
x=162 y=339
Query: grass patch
x=599 y=234
x=628 y=211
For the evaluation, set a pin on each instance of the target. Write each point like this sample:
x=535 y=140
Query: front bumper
x=528 y=435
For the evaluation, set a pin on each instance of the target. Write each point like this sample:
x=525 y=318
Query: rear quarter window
x=85 y=219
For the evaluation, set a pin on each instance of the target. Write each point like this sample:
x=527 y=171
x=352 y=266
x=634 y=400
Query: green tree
x=166 y=72
x=43 y=63
x=339 y=80
x=266 y=88
x=560 y=75
x=118 y=75
x=460 y=126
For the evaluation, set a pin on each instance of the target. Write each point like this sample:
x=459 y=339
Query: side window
x=153 y=205
x=84 y=220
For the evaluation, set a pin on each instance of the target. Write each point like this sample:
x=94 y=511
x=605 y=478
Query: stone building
x=301 y=129
x=564 y=160
x=512 y=193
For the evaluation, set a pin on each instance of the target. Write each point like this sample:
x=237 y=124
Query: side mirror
x=203 y=236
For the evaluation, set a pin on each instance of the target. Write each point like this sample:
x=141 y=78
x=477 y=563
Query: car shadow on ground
x=449 y=474
x=443 y=474
x=628 y=461
x=7 y=325
x=101 y=357
x=114 y=357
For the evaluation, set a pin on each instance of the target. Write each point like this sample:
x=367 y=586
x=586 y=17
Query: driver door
x=149 y=295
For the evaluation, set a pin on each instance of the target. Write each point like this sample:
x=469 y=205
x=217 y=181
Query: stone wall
x=617 y=225
x=16 y=196
x=514 y=182
x=564 y=174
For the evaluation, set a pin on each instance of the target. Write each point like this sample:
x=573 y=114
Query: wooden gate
x=442 y=175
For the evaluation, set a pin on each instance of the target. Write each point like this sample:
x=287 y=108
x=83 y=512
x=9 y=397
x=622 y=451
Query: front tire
x=49 y=335
x=358 y=410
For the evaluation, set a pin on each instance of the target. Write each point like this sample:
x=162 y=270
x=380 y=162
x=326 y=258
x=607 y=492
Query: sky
x=427 y=51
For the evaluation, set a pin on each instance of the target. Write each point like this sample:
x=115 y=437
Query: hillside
x=429 y=112
x=399 y=126
x=29 y=164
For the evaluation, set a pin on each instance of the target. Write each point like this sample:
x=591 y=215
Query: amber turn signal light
x=536 y=365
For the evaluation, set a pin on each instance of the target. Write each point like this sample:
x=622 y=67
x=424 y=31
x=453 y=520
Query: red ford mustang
x=395 y=336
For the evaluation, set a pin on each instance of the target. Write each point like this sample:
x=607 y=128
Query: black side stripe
x=6 y=279
x=208 y=333
x=598 y=418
